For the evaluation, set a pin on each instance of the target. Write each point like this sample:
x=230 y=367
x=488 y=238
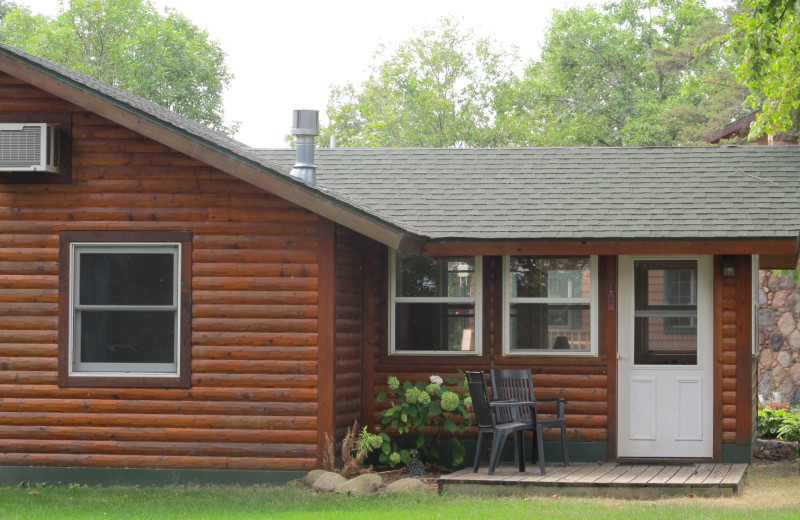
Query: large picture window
x=549 y=305
x=126 y=315
x=435 y=304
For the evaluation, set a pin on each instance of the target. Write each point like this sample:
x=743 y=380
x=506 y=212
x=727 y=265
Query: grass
x=772 y=492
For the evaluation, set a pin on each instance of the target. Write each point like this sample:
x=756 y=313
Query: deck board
x=606 y=479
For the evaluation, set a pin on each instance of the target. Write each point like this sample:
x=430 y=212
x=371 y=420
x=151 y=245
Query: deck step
x=602 y=479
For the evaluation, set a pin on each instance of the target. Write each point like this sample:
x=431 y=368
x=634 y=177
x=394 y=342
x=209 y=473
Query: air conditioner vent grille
x=29 y=147
x=21 y=147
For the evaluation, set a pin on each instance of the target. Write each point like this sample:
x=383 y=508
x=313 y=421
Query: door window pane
x=665 y=324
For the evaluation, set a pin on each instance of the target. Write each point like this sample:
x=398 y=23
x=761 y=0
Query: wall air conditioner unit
x=29 y=147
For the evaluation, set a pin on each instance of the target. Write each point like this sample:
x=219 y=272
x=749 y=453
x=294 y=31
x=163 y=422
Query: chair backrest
x=480 y=399
x=514 y=384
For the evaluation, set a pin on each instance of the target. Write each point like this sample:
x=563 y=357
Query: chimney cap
x=305 y=122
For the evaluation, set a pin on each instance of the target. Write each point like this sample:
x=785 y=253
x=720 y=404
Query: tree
x=437 y=89
x=767 y=35
x=632 y=73
x=128 y=44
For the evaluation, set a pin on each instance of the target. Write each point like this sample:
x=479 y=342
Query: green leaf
x=405 y=456
x=449 y=425
x=386 y=448
x=435 y=409
x=381 y=397
x=420 y=441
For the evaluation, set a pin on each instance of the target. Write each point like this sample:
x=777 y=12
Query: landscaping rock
x=312 y=476
x=773 y=450
x=365 y=484
x=328 y=482
x=407 y=485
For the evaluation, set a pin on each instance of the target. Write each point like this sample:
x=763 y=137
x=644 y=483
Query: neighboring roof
x=739 y=128
x=198 y=141
x=730 y=192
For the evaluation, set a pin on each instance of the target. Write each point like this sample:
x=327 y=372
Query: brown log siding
x=348 y=329
x=253 y=399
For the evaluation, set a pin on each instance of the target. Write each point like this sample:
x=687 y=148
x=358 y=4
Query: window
x=127 y=307
x=665 y=319
x=549 y=305
x=434 y=304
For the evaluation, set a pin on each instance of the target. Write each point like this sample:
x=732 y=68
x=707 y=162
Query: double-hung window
x=126 y=310
x=550 y=305
x=435 y=304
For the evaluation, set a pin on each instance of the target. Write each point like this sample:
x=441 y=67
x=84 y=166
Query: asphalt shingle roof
x=525 y=193
x=731 y=192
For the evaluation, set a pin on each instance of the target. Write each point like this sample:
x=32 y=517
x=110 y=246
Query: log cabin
x=252 y=313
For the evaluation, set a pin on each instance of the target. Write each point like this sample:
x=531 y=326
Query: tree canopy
x=128 y=44
x=632 y=72
x=767 y=36
x=436 y=89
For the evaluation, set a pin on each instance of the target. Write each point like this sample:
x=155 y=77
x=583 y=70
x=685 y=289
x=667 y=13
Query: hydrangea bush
x=416 y=406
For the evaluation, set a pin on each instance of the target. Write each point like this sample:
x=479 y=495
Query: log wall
x=253 y=397
x=349 y=309
x=739 y=398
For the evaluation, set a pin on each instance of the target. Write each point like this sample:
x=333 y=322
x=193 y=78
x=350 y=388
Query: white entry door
x=665 y=368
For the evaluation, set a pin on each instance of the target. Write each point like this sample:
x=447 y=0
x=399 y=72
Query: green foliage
x=780 y=424
x=632 y=73
x=128 y=44
x=437 y=89
x=767 y=35
x=770 y=421
x=629 y=73
x=418 y=407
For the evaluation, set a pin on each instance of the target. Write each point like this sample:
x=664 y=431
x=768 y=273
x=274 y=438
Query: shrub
x=790 y=431
x=770 y=421
x=419 y=405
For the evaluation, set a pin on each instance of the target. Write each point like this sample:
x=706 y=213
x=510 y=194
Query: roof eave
x=226 y=160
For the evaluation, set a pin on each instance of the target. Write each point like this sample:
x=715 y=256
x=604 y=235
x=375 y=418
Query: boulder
x=407 y=485
x=312 y=476
x=365 y=484
x=328 y=481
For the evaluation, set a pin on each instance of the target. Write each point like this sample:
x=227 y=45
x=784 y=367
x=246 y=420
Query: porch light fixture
x=728 y=266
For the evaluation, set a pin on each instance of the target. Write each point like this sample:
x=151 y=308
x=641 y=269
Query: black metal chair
x=482 y=406
x=517 y=384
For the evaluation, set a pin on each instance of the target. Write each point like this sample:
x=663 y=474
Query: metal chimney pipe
x=305 y=126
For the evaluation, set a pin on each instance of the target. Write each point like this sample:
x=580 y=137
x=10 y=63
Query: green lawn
x=772 y=492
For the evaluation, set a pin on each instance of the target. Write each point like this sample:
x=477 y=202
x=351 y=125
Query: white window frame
x=78 y=368
x=476 y=301
x=508 y=300
x=755 y=260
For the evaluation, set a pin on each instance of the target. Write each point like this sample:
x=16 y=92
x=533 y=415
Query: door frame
x=706 y=361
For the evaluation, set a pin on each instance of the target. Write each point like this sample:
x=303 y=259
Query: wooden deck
x=601 y=479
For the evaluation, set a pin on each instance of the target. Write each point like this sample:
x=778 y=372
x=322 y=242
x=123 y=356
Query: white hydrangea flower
x=436 y=380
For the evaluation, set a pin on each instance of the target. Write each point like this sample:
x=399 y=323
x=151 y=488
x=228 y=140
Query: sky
x=285 y=55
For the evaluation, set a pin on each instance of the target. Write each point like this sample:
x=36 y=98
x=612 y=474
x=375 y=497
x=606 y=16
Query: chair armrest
x=561 y=402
